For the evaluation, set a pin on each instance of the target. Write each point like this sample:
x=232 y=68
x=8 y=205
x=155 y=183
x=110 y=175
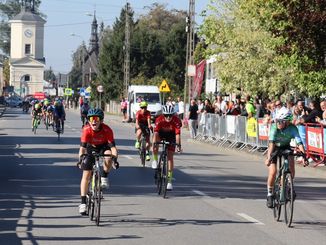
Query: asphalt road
x=218 y=197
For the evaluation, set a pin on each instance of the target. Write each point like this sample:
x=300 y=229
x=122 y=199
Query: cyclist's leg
x=292 y=166
x=138 y=135
x=62 y=123
x=156 y=139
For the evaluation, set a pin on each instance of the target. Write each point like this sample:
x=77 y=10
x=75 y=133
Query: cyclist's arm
x=114 y=151
x=82 y=150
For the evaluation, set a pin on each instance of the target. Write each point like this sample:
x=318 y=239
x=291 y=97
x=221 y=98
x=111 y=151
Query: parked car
x=13 y=102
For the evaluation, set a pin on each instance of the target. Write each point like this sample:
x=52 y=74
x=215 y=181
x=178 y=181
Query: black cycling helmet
x=96 y=112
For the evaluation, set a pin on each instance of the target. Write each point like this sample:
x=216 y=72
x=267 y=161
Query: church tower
x=27 y=62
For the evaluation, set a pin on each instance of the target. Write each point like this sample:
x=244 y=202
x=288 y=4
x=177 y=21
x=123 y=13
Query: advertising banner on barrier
x=251 y=127
x=230 y=124
x=315 y=139
x=263 y=129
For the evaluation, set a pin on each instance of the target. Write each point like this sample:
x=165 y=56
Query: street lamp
x=83 y=57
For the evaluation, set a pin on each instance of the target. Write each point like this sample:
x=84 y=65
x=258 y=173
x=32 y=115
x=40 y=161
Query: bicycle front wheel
x=165 y=176
x=97 y=195
x=289 y=199
x=159 y=177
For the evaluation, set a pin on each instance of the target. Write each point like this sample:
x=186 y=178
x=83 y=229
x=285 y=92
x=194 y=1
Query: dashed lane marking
x=250 y=219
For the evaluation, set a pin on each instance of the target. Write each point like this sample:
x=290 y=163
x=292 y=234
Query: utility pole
x=190 y=30
x=127 y=51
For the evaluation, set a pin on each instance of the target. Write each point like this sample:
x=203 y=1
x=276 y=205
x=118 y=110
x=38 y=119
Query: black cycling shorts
x=89 y=160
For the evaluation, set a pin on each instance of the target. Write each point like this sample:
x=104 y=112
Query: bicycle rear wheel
x=159 y=178
x=289 y=199
x=164 y=176
x=97 y=195
x=143 y=151
x=91 y=200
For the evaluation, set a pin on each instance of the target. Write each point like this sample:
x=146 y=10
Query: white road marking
x=22 y=223
x=251 y=219
x=200 y=193
x=129 y=157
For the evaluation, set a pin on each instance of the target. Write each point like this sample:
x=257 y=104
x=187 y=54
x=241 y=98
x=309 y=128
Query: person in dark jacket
x=315 y=112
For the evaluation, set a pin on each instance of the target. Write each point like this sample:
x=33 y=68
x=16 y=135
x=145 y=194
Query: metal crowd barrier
x=231 y=132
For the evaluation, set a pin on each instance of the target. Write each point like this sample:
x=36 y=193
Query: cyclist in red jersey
x=96 y=136
x=143 y=125
x=167 y=127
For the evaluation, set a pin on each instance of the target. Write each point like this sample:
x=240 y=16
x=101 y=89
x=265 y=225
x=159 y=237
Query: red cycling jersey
x=143 y=117
x=164 y=127
x=97 y=138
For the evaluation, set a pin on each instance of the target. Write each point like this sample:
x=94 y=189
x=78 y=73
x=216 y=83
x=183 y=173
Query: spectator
x=303 y=109
x=323 y=119
x=260 y=110
x=233 y=109
x=208 y=108
x=315 y=112
x=296 y=116
x=219 y=105
x=250 y=107
x=124 y=106
x=181 y=108
x=193 y=118
x=290 y=105
x=243 y=111
x=169 y=101
x=200 y=106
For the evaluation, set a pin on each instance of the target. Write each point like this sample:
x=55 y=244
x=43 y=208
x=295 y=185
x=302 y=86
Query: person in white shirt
x=181 y=108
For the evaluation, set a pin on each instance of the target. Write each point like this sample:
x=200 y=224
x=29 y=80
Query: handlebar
x=116 y=164
x=291 y=152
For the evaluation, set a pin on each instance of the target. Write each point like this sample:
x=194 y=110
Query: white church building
x=27 y=62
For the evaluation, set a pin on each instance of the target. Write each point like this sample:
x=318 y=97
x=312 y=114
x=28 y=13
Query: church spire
x=94 y=36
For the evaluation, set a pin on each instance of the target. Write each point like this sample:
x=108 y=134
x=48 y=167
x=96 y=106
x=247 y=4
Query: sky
x=66 y=17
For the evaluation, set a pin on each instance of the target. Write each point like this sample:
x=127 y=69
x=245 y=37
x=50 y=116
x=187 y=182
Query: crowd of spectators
x=249 y=107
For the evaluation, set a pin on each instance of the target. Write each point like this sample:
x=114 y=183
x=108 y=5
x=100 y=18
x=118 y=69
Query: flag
x=198 y=81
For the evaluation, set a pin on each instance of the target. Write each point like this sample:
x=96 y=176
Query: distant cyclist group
x=50 y=112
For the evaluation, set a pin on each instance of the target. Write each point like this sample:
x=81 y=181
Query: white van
x=151 y=94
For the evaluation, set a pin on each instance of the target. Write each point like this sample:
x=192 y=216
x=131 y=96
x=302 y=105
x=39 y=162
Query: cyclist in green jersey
x=281 y=133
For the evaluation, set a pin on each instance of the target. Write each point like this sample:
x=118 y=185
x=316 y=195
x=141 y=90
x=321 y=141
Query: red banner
x=39 y=95
x=198 y=81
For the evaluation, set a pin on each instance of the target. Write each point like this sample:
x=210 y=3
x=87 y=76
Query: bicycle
x=161 y=173
x=284 y=194
x=142 y=148
x=59 y=127
x=36 y=122
x=94 y=194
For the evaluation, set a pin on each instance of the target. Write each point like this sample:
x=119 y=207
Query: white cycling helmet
x=168 y=110
x=283 y=114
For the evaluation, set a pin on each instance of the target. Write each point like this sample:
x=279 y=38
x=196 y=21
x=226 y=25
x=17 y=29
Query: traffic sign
x=164 y=87
x=68 y=91
x=100 y=89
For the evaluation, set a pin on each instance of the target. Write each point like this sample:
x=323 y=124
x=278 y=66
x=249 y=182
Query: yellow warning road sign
x=164 y=87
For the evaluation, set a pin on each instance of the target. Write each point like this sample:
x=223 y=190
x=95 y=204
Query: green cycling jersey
x=282 y=137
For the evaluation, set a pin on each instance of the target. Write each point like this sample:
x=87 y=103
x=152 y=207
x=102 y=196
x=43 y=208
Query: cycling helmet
x=96 y=112
x=46 y=102
x=143 y=104
x=283 y=114
x=168 y=110
x=37 y=106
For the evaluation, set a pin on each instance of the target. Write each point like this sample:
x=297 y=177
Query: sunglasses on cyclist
x=94 y=119
x=279 y=121
x=143 y=107
x=168 y=115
